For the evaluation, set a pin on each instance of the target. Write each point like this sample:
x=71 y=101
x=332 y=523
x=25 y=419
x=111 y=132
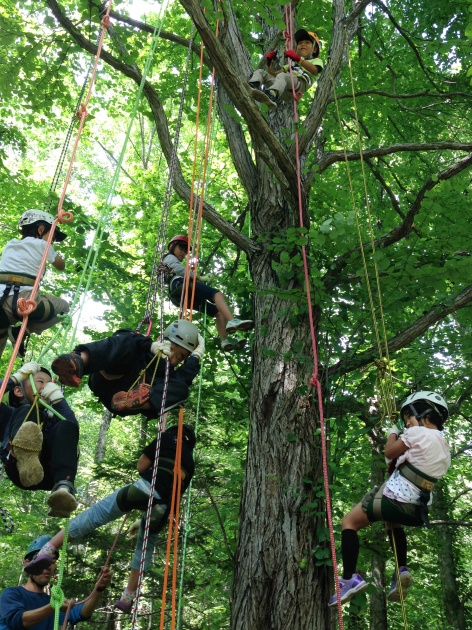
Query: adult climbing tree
x=393 y=104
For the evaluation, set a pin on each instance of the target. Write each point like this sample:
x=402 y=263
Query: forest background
x=258 y=547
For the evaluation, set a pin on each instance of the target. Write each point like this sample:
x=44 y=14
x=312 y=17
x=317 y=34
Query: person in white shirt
x=19 y=267
x=419 y=457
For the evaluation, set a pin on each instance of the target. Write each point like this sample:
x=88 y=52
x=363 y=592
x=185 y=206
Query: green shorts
x=380 y=508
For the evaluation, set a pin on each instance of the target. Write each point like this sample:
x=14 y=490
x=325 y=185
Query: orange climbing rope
x=314 y=381
x=26 y=307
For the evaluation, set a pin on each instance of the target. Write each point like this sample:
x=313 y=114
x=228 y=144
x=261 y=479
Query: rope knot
x=106 y=21
x=314 y=379
x=82 y=111
x=57 y=596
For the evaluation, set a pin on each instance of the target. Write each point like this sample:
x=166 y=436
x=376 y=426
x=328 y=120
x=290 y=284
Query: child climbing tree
x=415 y=177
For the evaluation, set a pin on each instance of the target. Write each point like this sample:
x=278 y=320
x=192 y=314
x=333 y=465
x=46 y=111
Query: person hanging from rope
x=127 y=370
x=206 y=297
x=273 y=86
x=29 y=605
x=422 y=458
x=19 y=267
x=39 y=436
x=133 y=497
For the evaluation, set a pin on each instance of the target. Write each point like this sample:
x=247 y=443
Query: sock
x=127 y=596
x=49 y=549
x=349 y=552
x=400 y=544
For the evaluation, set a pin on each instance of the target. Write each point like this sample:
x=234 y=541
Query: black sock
x=349 y=552
x=400 y=544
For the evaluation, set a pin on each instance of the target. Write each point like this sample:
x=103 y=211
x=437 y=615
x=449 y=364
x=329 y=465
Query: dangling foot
x=125 y=603
x=38 y=564
x=69 y=368
x=239 y=324
x=232 y=343
x=131 y=402
x=406 y=580
x=26 y=447
x=348 y=589
x=62 y=500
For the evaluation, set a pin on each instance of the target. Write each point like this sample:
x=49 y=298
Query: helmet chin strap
x=420 y=416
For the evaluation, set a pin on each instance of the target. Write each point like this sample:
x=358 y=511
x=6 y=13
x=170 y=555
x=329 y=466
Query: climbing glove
x=293 y=55
x=200 y=349
x=25 y=370
x=161 y=346
x=393 y=429
x=51 y=393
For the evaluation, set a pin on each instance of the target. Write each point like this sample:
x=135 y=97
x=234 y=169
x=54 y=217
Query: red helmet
x=180 y=238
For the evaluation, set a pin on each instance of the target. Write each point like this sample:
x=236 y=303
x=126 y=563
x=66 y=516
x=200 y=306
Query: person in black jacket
x=132 y=497
x=127 y=370
x=38 y=458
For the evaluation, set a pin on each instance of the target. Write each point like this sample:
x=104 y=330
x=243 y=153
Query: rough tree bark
x=447 y=567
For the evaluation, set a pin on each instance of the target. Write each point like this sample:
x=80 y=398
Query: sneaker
x=26 y=447
x=62 y=499
x=38 y=564
x=406 y=580
x=125 y=607
x=128 y=403
x=69 y=368
x=273 y=95
x=254 y=88
x=232 y=343
x=239 y=324
x=349 y=588
x=13 y=333
x=265 y=97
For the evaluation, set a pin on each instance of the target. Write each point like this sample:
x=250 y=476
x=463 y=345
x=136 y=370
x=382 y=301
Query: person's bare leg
x=133 y=580
x=356 y=519
x=220 y=322
x=222 y=306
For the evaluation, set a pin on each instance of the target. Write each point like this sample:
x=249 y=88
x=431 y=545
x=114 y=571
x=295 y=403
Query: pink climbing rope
x=314 y=381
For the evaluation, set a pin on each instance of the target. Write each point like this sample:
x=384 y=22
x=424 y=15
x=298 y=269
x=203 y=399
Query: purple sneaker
x=406 y=580
x=348 y=589
x=125 y=607
x=37 y=566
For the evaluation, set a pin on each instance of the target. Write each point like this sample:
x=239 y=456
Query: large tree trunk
x=276 y=582
x=447 y=569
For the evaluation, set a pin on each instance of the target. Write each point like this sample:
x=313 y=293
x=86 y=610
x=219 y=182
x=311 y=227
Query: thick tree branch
x=180 y=185
x=338 y=156
x=332 y=277
x=406 y=337
x=232 y=82
x=442 y=95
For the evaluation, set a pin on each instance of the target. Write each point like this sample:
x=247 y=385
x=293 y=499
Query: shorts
x=378 y=507
x=204 y=296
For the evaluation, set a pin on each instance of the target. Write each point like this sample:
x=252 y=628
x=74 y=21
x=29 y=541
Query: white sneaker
x=239 y=324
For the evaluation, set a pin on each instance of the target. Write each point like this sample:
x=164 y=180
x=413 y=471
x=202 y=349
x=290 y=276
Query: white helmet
x=436 y=401
x=31 y=216
x=183 y=333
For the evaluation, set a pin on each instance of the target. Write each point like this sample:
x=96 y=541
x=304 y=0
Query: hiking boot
x=26 y=447
x=125 y=607
x=349 y=588
x=38 y=564
x=406 y=580
x=62 y=499
x=13 y=333
x=232 y=343
x=239 y=324
x=69 y=368
x=273 y=96
x=128 y=403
